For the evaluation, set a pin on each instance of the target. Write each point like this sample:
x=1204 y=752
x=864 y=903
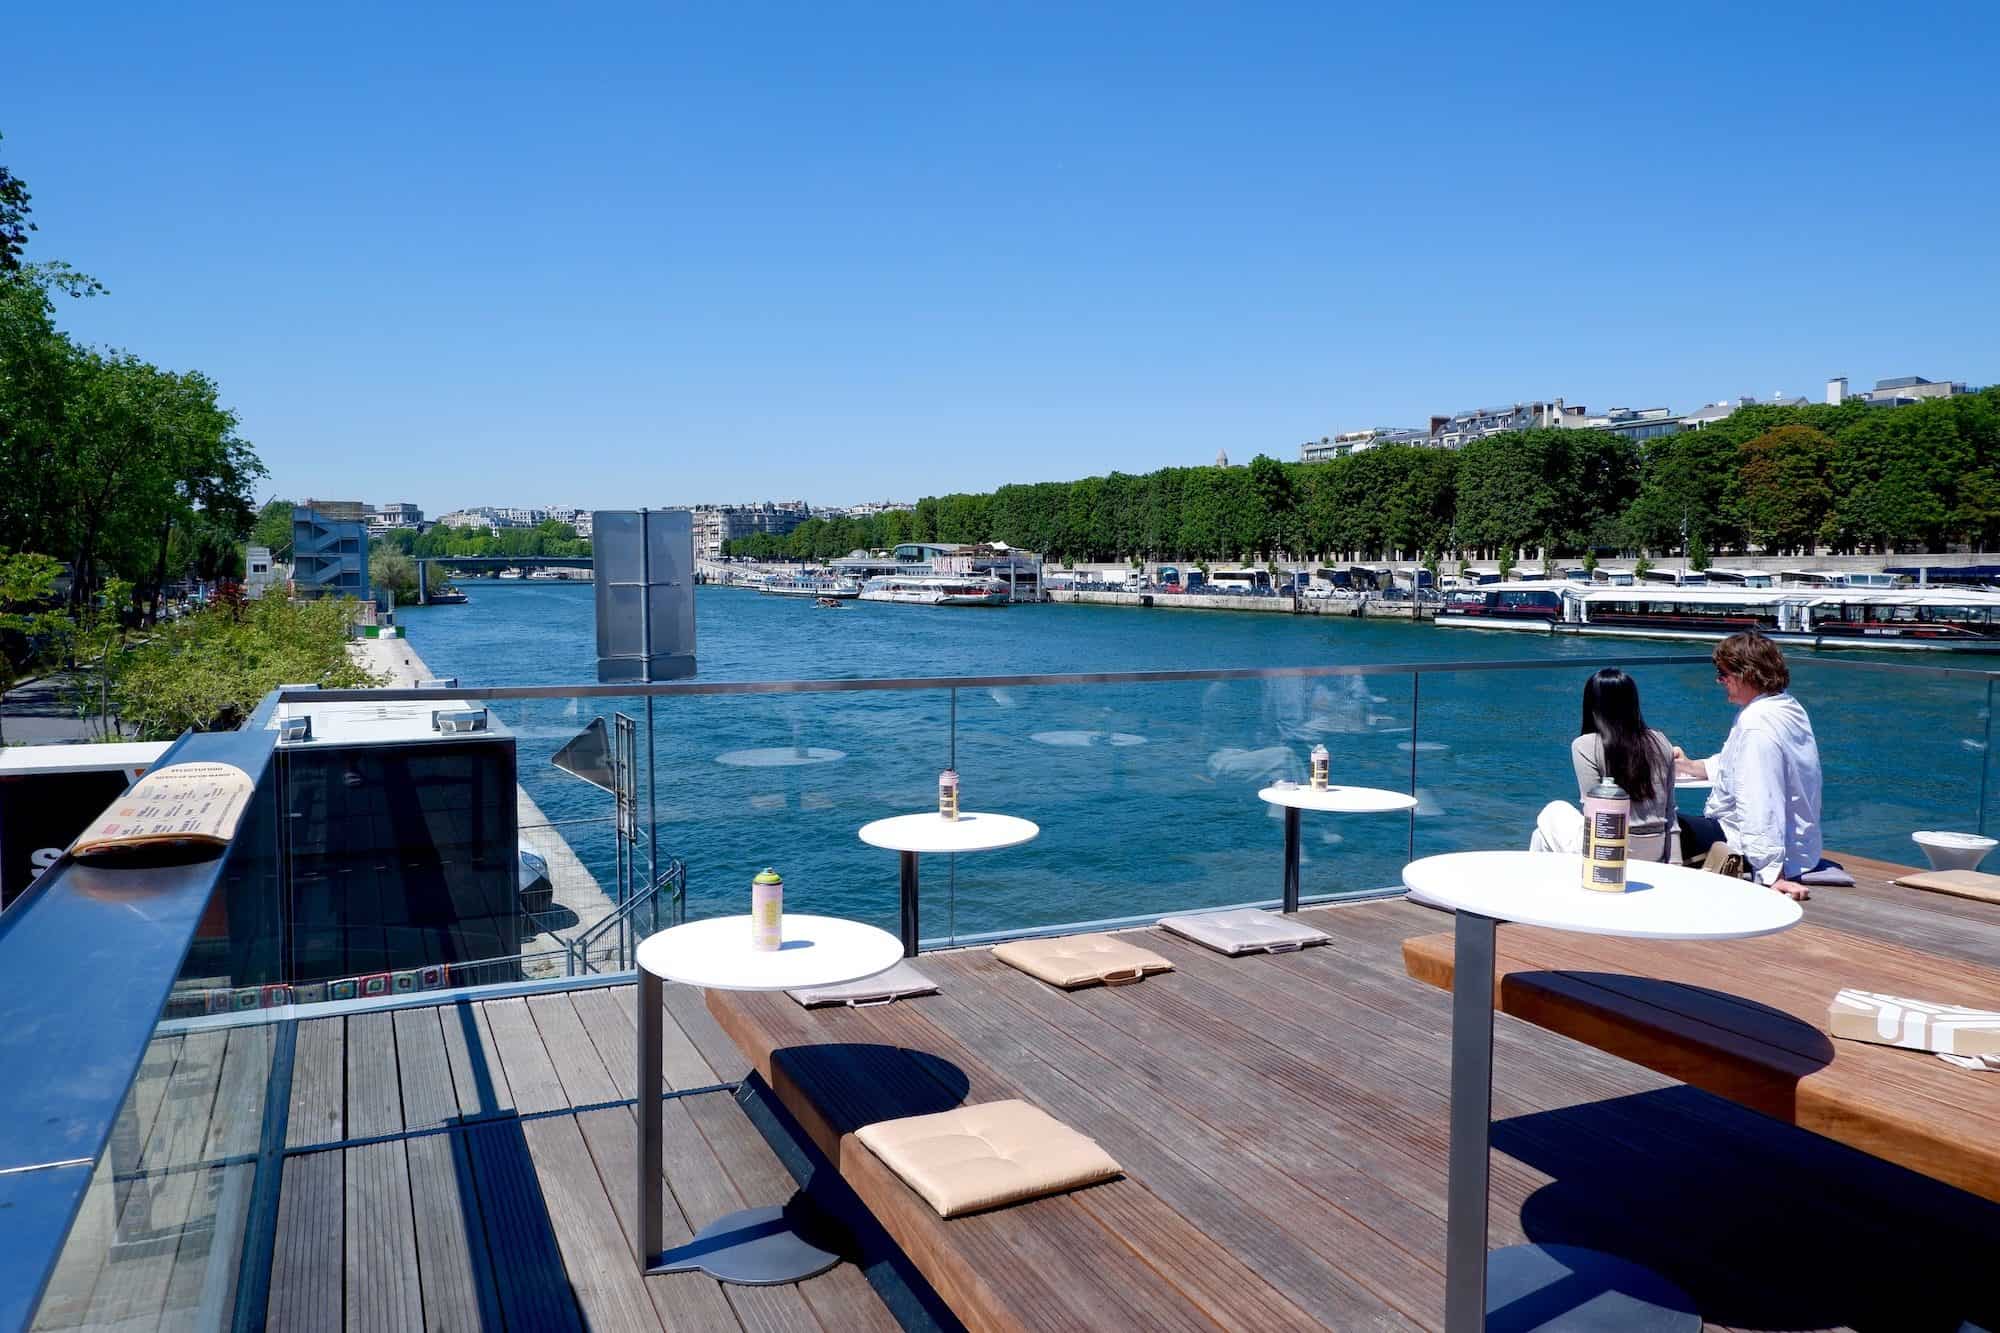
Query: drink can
x=948 y=794
x=767 y=912
x=1322 y=767
x=1607 y=814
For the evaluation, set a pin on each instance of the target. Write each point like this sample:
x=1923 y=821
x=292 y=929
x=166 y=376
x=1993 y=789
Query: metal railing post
x=1985 y=756
x=1415 y=680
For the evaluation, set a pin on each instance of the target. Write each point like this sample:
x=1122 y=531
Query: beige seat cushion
x=1959 y=883
x=979 y=1157
x=1243 y=930
x=1070 y=961
x=899 y=982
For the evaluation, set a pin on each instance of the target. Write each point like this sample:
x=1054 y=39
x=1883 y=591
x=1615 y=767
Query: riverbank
x=579 y=900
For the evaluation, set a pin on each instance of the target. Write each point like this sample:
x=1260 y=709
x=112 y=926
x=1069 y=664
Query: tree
x=393 y=571
x=14 y=224
x=30 y=627
x=208 y=670
x=1785 y=494
x=273 y=527
x=1273 y=524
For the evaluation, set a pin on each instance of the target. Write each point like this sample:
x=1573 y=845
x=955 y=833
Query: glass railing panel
x=160 y=1237
x=1146 y=795
x=1493 y=747
x=1899 y=751
x=787 y=781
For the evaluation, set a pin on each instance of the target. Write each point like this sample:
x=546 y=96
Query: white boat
x=809 y=585
x=1948 y=619
x=936 y=590
x=508 y=574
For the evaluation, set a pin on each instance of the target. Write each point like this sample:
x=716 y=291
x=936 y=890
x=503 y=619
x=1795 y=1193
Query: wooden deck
x=460 y=1166
x=1282 y=1124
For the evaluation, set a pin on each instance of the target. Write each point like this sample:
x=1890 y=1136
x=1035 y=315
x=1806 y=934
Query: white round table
x=1333 y=800
x=753 y=1246
x=910 y=835
x=1661 y=902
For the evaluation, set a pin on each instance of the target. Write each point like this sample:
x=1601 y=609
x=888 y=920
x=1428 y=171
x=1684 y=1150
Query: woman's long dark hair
x=1611 y=713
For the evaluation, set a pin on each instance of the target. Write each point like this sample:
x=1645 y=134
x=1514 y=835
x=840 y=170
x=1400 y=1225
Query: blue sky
x=664 y=254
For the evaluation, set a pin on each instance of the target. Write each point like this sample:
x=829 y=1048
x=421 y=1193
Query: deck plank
x=308 y=1255
x=531 y=1074
x=374 y=1095
x=454 y=1265
x=585 y=1079
x=532 y=1288
x=478 y=1080
x=423 y=1070
x=612 y=1034
x=318 y=1111
x=382 y=1289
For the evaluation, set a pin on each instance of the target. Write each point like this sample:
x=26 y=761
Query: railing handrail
x=830 y=685
x=577 y=946
x=129 y=928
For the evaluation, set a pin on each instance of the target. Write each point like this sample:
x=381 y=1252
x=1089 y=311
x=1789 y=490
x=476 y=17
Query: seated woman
x=1616 y=743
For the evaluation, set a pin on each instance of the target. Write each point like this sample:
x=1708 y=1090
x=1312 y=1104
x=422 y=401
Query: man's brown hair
x=1756 y=659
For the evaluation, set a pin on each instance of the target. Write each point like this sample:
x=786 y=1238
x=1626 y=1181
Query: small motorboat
x=831 y=603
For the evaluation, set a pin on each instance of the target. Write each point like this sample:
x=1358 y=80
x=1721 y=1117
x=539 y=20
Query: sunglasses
x=1721 y=676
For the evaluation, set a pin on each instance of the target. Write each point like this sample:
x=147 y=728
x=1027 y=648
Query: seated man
x=1765 y=801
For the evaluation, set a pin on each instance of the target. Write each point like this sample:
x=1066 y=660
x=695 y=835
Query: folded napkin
x=1922 y=1025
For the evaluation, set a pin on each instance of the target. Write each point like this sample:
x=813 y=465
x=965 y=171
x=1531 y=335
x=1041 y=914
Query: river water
x=1146 y=794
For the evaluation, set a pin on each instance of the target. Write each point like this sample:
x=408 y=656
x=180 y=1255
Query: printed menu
x=179 y=807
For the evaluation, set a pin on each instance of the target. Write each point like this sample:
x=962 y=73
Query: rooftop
x=1280 y=1121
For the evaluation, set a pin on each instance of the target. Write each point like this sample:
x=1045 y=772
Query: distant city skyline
x=635 y=255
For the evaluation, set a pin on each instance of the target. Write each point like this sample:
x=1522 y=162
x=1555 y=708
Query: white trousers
x=1559 y=828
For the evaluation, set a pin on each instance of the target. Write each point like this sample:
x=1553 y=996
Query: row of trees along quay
x=1848 y=478
x=120 y=479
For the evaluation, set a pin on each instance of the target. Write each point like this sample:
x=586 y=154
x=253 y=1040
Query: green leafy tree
x=1786 y=495
x=14 y=224
x=393 y=571
x=1697 y=554
x=273 y=527
x=208 y=670
x=31 y=628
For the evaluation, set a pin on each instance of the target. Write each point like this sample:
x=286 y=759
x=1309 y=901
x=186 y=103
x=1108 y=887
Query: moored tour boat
x=1956 y=620
x=821 y=586
x=936 y=590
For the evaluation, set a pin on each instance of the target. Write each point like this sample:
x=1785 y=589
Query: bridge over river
x=492 y=562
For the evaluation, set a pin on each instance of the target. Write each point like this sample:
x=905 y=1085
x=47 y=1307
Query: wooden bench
x=1110 y=1256
x=1747 y=1021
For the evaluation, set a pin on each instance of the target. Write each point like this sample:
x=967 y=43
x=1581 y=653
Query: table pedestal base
x=1566 y=1289
x=757 y=1247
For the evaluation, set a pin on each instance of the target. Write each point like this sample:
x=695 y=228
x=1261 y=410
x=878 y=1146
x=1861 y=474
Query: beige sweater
x=1586 y=754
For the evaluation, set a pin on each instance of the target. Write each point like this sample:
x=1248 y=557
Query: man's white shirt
x=1766 y=788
